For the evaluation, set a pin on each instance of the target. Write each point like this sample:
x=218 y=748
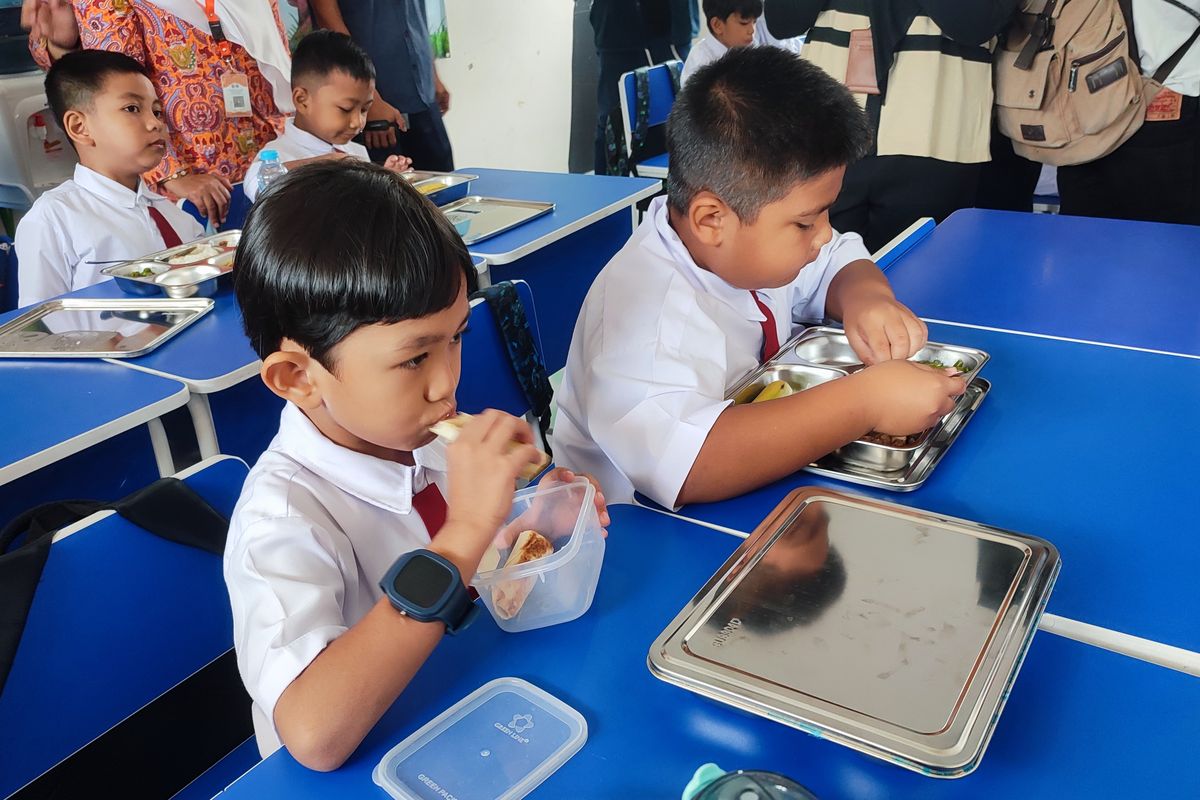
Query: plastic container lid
x=268 y=155
x=497 y=743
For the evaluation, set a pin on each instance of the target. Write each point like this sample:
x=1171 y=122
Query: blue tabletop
x=1078 y=444
x=53 y=408
x=120 y=616
x=211 y=355
x=579 y=201
x=1128 y=283
x=1079 y=721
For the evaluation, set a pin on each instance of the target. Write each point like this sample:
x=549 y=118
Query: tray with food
x=440 y=187
x=829 y=347
x=189 y=270
x=890 y=630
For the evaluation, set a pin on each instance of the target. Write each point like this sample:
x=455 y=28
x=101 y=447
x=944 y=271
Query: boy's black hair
x=337 y=245
x=322 y=52
x=755 y=123
x=721 y=9
x=77 y=77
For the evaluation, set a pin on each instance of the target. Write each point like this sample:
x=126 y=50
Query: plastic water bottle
x=272 y=169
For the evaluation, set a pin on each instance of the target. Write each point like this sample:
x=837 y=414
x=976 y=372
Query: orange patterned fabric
x=186 y=69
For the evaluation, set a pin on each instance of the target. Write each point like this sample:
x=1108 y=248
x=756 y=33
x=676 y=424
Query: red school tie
x=770 y=334
x=431 y=507
x=169 y=236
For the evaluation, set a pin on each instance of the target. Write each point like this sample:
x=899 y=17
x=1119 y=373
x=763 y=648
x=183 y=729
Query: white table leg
x=162 y=447
x=206 y=431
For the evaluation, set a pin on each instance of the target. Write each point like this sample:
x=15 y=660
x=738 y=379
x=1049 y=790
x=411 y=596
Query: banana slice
x=774 y=390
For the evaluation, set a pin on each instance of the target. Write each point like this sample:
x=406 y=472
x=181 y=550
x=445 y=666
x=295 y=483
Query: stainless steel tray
x=187 y=278
x=798 y=376
x=922 y=463
x=887 y=629
x=85 y=328
x=440 y=187
x=477 y=218
x=829 y=347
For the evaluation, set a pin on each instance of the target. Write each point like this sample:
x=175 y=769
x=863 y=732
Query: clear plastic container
x=497 y=743
x=272 y=169
x=560 y=586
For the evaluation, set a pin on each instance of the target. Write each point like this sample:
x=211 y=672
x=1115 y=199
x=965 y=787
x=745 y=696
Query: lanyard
x=214 y=27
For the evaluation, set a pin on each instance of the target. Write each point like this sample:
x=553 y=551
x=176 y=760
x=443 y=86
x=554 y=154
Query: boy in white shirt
x=357 y=306
x=709 y=286
x=107 y=107
x=731 y=23
x=333 y=88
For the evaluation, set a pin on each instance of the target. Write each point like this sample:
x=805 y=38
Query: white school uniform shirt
x=314 y=531
x=658 y=344
x=87 y=219
x=294 y=145
x=706 y=51
x=1161 y=29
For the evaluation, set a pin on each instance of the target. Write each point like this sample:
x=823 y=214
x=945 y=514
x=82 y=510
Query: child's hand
x=564 y=475
x=398 y=163
x=882 y=328
x=908 y=397
x=482 y=469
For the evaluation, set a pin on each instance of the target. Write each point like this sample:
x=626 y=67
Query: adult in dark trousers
x=922 y=69
x=1155 y=174
x=632 y=34
x=408 y=93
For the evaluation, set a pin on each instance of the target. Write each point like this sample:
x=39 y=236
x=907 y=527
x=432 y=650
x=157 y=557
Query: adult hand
x=51 y=20
x=383 y=110
x=441 y=94
x=209 y=193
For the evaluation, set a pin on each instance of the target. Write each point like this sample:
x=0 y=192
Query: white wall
x=509 y=76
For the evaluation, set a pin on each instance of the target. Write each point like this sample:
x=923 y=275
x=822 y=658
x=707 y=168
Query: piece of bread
x=449 y=429
x=509 y=596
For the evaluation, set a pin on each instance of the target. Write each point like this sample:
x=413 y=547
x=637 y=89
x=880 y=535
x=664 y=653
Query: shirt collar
x=385 y=484
x=740 y=300
x=113 y=192
x=309 y=141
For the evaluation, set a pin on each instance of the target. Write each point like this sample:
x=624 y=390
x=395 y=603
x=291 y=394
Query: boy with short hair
x=333 y=87
x=357 y=306
x=731 y=23
x=109 y=111
x=709 y=286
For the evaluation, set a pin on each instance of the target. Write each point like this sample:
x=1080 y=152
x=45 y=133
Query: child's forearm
x=754 y=444
x=857 y=281
x=325 y=713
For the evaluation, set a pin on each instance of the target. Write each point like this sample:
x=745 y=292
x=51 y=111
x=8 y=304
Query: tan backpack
x=1069 y=89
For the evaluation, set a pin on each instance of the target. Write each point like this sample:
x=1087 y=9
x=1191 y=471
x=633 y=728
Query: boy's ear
x=75 y=126
x=286 y=372
x=300 y=97
x=717 y=26
x=708 y=217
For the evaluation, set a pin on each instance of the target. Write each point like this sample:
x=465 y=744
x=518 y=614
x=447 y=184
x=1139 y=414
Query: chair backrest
x=488 y=379
x=239 y=207
x=661 y=87
x=128 y=635
x=8 y=274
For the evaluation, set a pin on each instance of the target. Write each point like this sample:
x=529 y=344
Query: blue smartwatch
x=427 y=587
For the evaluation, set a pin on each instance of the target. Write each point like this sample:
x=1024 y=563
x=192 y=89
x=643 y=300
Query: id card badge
x=1165 y=107
x=860 y=64
x=235 y=86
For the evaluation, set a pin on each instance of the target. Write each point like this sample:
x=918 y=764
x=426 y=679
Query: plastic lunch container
x=561 y=585
x=497 y=743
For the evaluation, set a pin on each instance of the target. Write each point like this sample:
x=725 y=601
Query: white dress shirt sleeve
x=286 y=589
x=45 y=261
x=250 y=182
x=811 y=288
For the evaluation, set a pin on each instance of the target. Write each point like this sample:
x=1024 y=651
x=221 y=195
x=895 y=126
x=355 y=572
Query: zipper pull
x=1073 y=78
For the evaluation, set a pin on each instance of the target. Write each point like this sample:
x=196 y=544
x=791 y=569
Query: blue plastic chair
x=662 y=97
x=239 y=207
x=8 y=274
x=488 y=379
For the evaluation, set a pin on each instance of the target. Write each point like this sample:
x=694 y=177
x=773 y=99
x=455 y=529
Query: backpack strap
x=675 y=68
x=526 y=361
x=641 y=118
x=167 y=508
x=1167 y=67
x=1040 y=37
x=616 y=159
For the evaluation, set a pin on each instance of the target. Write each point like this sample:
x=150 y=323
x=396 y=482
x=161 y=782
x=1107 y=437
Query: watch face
x=422 y=581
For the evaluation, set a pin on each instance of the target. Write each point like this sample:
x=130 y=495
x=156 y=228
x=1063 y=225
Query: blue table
x=120 y=617
x=1134 y=284
x=561 y=252
x=1080 y=722
x=1081 y=445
